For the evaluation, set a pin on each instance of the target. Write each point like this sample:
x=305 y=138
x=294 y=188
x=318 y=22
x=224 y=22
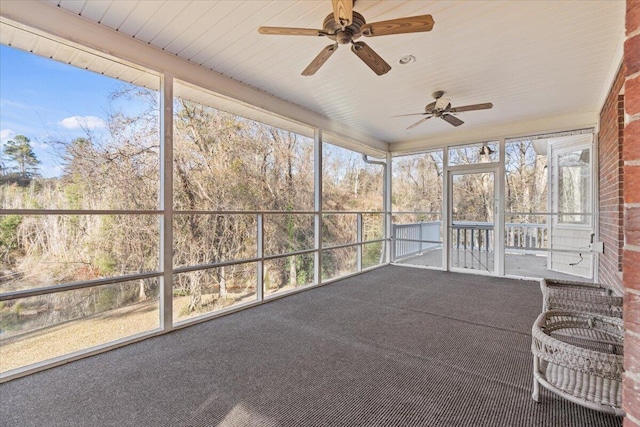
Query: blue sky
x=46 y=101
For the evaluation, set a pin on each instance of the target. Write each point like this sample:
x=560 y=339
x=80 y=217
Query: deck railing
x=415 y=238
x=467 y=237
x=526 y=238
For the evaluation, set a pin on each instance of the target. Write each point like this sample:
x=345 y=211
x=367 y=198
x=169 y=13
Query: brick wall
x=610 y=138
x=631 y=255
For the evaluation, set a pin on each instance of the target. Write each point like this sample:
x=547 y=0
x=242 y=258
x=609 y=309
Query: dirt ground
x=80 y=334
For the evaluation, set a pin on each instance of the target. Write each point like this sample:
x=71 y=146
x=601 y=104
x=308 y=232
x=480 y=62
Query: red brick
x=632 y=54
x=632 y=96
x=630 y=398
x=631 y=150
x=631 y=360
x=610 y=184
x=631 y=270
x=629 y=423
x=631 y=342
x=633 y=16
x=631 y=184
x=631 y=311
x=632 y=226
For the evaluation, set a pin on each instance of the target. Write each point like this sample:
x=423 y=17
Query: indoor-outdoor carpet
x=391 y=347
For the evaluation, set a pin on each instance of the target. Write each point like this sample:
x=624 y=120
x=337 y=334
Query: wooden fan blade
x=471 y=108
x=452 y=119
x=287 y=31
x=419 y=122
x=369 y=57
x=320 y=59
x=343 y=12
x=412 y=24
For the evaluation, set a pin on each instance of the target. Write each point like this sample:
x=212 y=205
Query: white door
x=472 y=220
x=571 y=230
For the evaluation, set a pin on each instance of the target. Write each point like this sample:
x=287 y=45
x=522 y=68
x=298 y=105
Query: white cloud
x=6 y=135
x=83 y=122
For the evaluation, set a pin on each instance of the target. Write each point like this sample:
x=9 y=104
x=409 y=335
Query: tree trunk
x=293 y=276
x=142 y=294
x=222 y=280
x=195 y=290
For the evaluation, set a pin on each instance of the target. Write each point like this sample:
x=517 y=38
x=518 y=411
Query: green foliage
x=180 y=292
x=105 y=264
x=17 y=308
x=268 y=283
x=20 y=152
x=329 y=264
x=371 y=254
x=107 y=299
x=8 y=231
x=304 y=269
x=73 y=195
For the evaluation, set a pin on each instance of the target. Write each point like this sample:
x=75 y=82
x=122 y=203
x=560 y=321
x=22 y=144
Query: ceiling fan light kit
x=345 y=26
x=485 y=150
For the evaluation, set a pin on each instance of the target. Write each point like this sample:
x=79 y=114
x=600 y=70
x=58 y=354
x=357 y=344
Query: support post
x=359 y=240
x=388 y=232
x=260 y=255
x=166 y=201
x=317 y=205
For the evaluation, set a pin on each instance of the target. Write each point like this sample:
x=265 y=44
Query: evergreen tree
x=20 y=152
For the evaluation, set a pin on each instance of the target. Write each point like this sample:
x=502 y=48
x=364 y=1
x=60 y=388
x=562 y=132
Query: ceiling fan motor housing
x=343 y=36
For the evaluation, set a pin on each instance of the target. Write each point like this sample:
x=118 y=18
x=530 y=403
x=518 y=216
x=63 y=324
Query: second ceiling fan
x=344 y=26
x=442 y=109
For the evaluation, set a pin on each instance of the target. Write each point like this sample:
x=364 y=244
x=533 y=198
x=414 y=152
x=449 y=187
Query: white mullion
x=388 y=217
x=317 y=205
x=499 y=219
x=166 y=202
x=446 y=252
x=359 y=241
x=260 y=249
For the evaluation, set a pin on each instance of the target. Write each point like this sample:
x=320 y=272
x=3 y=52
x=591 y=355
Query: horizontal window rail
x=52 y=212
x=415 y=213
x=182 y=212
x=547 y=213
x=25 y=293
x=254 y=212
x=240 y=212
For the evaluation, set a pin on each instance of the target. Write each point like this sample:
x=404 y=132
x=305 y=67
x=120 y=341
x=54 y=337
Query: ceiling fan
x=442 y=108
x=344 y=26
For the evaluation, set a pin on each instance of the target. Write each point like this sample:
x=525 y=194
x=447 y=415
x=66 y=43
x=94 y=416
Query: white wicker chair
x=580 y=296
x=578 y=356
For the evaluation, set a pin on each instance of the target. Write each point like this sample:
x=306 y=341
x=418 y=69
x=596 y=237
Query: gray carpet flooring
x=391 y=347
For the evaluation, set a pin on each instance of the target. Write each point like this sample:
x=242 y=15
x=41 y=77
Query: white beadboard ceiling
x=545 y=65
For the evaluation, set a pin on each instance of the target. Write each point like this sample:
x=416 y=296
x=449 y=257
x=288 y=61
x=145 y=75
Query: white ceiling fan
x=442 y=108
